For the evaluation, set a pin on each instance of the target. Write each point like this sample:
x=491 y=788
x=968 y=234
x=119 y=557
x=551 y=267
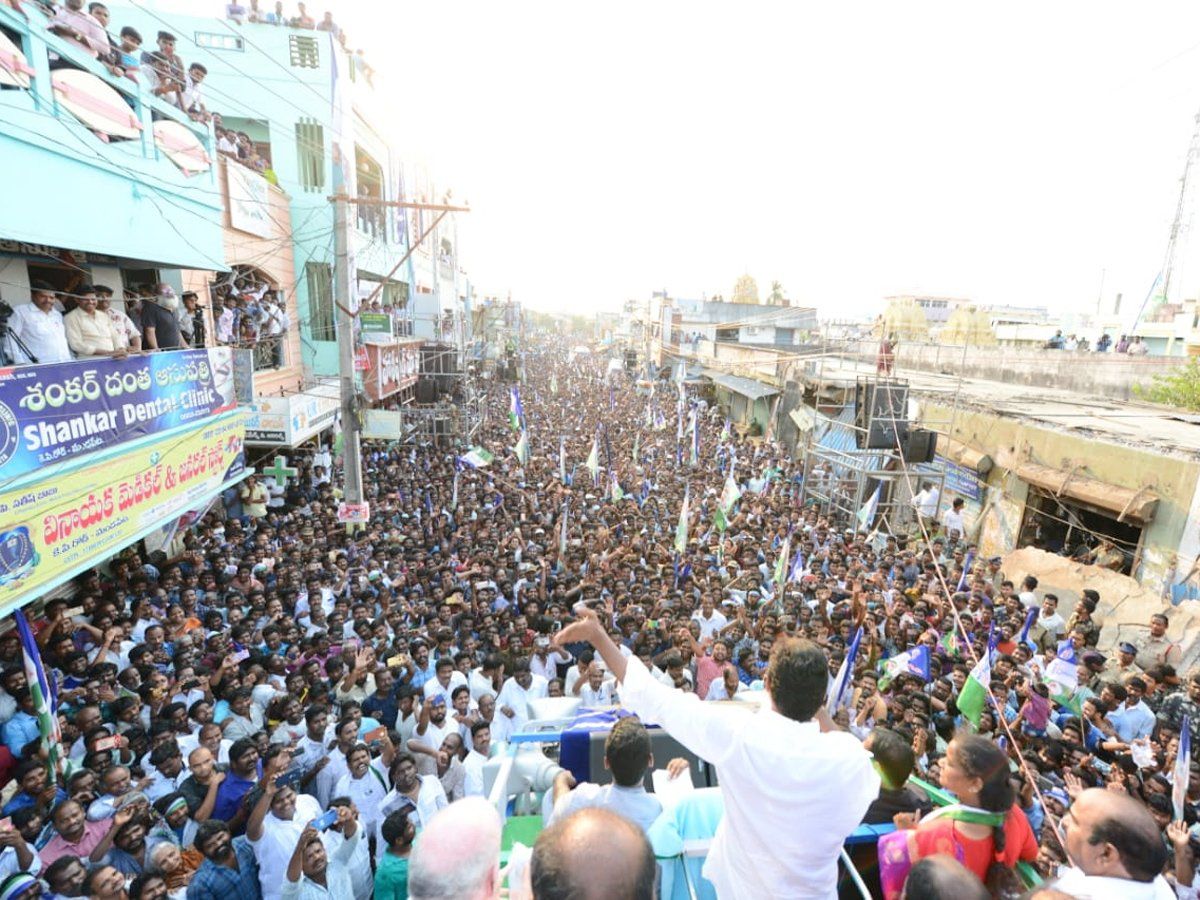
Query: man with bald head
x=1115 y=848
x=942 y=877
x=457 y=856
x=593 y=854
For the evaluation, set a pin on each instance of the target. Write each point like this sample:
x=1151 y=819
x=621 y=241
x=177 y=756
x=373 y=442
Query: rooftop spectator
x=303 y=19
x=80 y=28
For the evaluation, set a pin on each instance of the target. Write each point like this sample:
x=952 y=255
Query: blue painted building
x=278 y=86
x=82 y=203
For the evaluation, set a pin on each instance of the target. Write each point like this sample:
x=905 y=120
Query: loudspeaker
x=630 y=360
x=921 y=445
x=881 y=415
x=426 y=389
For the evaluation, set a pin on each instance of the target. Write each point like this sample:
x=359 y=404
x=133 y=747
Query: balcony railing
x=36 y=43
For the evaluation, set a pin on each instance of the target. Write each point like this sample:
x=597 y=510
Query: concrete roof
x=1130 y=423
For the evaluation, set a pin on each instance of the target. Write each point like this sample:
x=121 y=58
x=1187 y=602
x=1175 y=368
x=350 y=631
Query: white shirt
x=480 y=684
x=43 y=333
x=954 y=522
x=361 y=877
x=433 y=687
x=549 y=668
x=710 y=626
x=771 y=766
x=926 y=502
x=1094 y=887
x=338 y=881
x=366 y=792
x=430 y=798
x=1028 y=599
x=517 y=699
x=601 y=697
x=435 y=734
x=473 y=765
x=274 y=849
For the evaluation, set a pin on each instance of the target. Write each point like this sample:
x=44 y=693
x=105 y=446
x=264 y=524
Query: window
x=303 y=52
x=319 y=278
x=218 y=41
x=310 y=150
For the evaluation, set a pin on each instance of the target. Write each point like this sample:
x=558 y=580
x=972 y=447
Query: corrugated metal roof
x=837 y=433
x=747 y=387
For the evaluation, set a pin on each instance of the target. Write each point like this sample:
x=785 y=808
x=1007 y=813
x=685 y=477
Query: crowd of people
x=238 y=12
x=249 y=313
x=88 y=321
x=273 y=707
x=1074 y=343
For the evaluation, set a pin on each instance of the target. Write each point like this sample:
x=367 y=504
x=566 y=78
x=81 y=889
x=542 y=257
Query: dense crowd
x=270 y=707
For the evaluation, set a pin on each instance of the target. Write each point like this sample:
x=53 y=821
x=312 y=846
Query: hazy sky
x=1008 y=153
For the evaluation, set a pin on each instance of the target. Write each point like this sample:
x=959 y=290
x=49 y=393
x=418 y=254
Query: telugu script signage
x=54 y=528
x=391 y=368
x=287 y=421
x=249 y=200
x=56 y=412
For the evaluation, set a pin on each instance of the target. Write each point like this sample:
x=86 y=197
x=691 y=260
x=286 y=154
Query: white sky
x=1006 y=153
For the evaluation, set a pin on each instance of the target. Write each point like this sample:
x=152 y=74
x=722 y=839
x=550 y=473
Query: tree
x=1179 y=387
x=745 y=290
x=776 y=297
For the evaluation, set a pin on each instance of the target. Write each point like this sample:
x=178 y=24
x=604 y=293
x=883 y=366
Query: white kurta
x=792 y=793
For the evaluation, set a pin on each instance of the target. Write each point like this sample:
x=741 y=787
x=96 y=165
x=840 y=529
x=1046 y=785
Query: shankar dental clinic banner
x=53 y=413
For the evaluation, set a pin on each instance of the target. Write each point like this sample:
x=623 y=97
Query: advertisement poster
x=56 y=527
x=53 y=413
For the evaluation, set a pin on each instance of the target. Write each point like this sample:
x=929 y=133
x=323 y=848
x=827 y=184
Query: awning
x=747 y=387
x=1127 y=503
x=963 y=454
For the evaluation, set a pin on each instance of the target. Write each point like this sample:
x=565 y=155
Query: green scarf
x=970 y=814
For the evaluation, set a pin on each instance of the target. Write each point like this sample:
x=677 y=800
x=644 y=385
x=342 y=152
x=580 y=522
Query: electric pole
x=345 y=285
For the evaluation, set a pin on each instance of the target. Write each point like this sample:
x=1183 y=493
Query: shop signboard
x=61 y=411
x=391 y=367
x=82 y=512
x=291 y=420
x=375 y=323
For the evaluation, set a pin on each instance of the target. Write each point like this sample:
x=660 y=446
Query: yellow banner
x=53 y=529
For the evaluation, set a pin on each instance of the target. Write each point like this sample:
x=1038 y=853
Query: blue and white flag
x=516 y=412
x=42 y=690
x=840 y=688
x=962 y=581
x=1030 y=618
x=866 y=515
x=1063 y=670
x=797 y=568
x=912 y=662
x=562 y=460
x=1183 y=769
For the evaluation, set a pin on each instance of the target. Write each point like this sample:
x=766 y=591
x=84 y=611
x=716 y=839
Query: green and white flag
x=617 y=495
x=553 y=385
x=476 y=457
x=522 y=448
x=681 y=530
x=720 y=520
x=730 y=494
x=781 y=563
x=593 y=460
x=972 y=699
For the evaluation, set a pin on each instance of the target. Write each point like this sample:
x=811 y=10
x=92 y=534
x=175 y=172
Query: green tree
x=745 y=290
x=1179 y=387
x=776 y=297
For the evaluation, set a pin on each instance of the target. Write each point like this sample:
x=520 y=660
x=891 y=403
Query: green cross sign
x=280 y=471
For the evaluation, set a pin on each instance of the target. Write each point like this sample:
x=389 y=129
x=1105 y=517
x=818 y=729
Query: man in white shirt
x=484 y=681
x=481 y=748
x=446 y=679
x=275 y=823
x=1115 y=848
x=544 y=662
x=953 y=521
x=593 y=690
x=711 y=620
x=926 y=503
x=513 y=702
x=40 y=328
x=792 y=759
x=1027 y=596
x=627 y=755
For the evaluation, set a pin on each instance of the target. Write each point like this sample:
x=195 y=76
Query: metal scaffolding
x=852 y=447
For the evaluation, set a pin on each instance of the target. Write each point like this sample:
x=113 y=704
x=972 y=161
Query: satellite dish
x=181 y=146
x=94 y=103
x=14 y=68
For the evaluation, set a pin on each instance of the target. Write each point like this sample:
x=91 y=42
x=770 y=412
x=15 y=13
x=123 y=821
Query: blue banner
x=52 y=413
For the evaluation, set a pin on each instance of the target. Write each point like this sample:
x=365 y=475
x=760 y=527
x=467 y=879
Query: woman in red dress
x=986 y=831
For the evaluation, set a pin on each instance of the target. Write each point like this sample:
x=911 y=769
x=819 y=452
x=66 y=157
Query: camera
x=5 y=311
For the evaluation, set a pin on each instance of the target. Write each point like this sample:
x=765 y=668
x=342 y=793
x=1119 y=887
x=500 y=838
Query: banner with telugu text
x=53 y=413
x=51 y=529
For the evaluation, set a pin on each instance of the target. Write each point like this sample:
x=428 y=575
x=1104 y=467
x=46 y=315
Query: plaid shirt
x=216 y=882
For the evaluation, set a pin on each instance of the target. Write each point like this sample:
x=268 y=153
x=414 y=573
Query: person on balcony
x=124 y=325
x=160 y=330
x=78 y=27
x=40 y=327
x=91 y=332
x=276 y=322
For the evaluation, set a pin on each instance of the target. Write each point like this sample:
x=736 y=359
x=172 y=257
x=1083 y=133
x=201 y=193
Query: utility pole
x=346 y=301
